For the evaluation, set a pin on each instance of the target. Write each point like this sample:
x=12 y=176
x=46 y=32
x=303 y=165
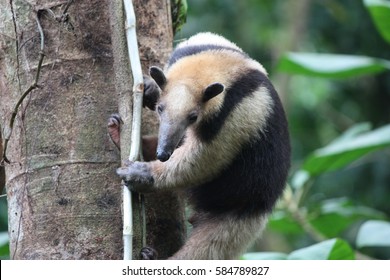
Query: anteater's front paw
x=137 y=176
x=148 y=253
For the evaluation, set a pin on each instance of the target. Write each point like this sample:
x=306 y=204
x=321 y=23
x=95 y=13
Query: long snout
x=169 y=137
x=163 y=155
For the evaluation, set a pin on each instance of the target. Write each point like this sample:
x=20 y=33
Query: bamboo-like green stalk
x=138 y=88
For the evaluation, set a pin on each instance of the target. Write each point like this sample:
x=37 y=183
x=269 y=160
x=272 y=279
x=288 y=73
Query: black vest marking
x=256 y=178
x=245 y=86
x=196 y=49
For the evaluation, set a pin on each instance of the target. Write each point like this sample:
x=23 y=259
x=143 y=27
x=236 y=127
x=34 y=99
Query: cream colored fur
x=190 y=164
x=221 y=239
x=208 y=38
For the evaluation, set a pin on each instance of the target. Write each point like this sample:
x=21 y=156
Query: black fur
x=241 y=88
x=256 y=178
x=158 y=76
x=192 y=50
x=211 y=91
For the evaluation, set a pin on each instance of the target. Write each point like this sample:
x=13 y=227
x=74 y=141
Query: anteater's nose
x=163 y=156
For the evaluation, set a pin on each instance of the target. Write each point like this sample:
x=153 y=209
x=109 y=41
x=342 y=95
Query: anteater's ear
x=212 y=90
x=158 y=76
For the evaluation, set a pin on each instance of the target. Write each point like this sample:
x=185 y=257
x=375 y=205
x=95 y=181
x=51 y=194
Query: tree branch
x=138 y=89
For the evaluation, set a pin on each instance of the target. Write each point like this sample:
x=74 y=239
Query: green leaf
x=4 y=238
x=373 y=233
x=380 y=14
x=264 y=256
x=299 y=179
x=281 y=222
x=333 y=249
x=331 y=65
x=338 y=154
x=4 y=245
x=4 y=252
x=353 y=131
x=336 y=215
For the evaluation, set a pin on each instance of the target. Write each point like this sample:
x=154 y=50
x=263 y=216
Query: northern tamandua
x=223 y=141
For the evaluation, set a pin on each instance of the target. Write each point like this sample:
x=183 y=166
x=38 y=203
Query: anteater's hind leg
x=220 y=238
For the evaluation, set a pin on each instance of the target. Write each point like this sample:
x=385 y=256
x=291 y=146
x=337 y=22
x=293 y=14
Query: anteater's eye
x=192 y=117
x=160 y=109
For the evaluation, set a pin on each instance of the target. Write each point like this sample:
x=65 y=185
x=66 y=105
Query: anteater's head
x=184 y=102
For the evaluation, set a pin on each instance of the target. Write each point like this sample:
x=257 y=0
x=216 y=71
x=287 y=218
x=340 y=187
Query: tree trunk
x=64 y=198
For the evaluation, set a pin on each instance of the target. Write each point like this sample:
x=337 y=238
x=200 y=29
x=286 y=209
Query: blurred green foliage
x=179 y=14
x=380 y=14
x=333 y=249
x=4 y=250
x=337 y=96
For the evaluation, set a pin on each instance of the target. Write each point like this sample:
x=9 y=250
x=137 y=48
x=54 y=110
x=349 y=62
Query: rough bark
x=64 y=198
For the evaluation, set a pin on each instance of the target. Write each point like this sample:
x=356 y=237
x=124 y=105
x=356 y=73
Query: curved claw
x=148 y=253
x=113 y=126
